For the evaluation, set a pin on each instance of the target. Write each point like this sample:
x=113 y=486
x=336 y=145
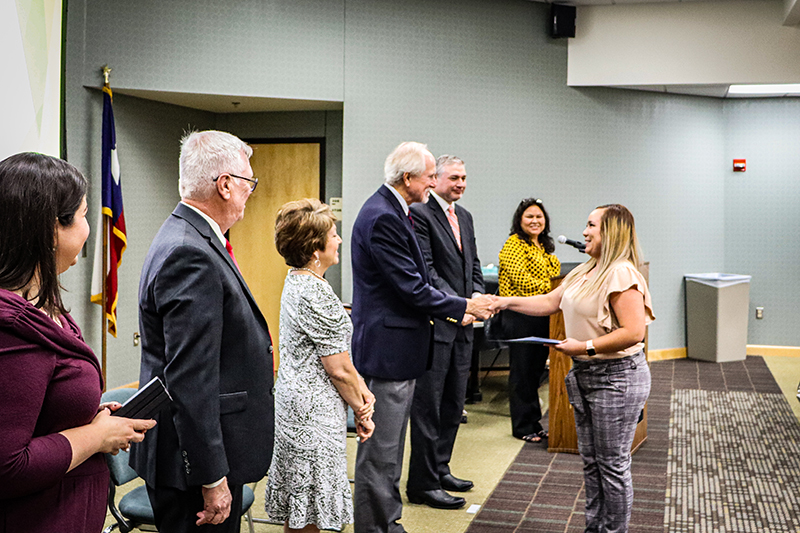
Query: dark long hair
x=36 y=191
x=516 y=225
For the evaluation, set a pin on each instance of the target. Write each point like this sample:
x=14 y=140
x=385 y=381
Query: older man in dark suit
x=204 y=336
x=393 y=302
x=447 y=237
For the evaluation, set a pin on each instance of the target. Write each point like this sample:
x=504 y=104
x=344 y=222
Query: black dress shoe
x=438 y=499
x=453 y=484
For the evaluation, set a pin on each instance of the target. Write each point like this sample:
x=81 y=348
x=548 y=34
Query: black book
x=147 y=401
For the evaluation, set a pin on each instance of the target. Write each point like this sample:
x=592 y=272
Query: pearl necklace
x=295 y=269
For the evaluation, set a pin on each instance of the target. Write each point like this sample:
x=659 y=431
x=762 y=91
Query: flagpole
x=103 y=313
x=104 y=322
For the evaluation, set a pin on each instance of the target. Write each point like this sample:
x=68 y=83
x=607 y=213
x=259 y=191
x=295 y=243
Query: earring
x=316 y=262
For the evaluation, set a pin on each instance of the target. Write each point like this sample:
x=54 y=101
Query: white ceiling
x=791 y=7
x=614 y=2
x=791 y=18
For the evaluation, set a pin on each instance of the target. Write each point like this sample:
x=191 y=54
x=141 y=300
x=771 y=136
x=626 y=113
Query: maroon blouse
x=49 y=381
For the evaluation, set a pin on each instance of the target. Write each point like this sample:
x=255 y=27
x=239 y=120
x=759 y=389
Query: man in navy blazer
x=447 y=237
x=393 y=302
x=204 y=336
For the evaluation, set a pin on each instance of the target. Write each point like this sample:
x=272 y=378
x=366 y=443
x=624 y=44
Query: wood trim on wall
x=665 y=354
x=752 y=349
x=764 y=349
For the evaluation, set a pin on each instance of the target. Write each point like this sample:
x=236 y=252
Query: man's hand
x=217 y=504
x=468 y=319
x=480 y=306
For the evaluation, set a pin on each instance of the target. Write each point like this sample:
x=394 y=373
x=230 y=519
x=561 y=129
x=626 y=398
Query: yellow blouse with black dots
x=525 y=269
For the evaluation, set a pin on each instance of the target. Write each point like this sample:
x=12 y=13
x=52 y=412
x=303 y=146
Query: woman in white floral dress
x=307 y=486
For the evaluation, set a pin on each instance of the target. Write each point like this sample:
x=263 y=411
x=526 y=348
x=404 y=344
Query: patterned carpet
x=734 y=465
x=728 y=464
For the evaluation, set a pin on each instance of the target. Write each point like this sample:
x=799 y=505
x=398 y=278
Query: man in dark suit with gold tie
x=447 y=238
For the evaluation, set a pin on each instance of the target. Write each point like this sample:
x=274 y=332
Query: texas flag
x=111 y=208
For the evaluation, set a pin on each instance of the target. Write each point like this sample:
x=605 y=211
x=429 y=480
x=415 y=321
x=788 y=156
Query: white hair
x=204 y=156
x=408 y=157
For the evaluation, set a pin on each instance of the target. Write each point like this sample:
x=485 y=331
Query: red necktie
x=453 y=220
x=229 y=247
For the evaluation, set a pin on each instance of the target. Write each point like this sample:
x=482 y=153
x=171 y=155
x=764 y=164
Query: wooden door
x=285 y=172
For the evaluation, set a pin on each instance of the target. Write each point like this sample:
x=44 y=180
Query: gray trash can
x=717 y=307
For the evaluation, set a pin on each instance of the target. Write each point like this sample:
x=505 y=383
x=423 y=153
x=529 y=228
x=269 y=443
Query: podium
x=563 y=437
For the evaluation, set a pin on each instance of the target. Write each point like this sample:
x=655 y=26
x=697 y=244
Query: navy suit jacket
x=393 y=299
x=452 y=270
x=203 y=334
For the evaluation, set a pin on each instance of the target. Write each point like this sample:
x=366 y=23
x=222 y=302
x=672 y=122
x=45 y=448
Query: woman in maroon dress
x=53 y=475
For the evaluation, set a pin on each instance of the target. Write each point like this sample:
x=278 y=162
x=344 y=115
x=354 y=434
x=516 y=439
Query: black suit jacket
x=393 y=299
x=452 y=270
x=204 y=335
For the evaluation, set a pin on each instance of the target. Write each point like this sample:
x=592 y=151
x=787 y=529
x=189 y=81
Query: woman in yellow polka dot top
x=526 y=265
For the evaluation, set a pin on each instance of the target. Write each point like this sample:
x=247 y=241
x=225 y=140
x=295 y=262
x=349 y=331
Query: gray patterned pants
x=607 y=397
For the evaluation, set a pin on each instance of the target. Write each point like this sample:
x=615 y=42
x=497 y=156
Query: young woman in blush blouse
x=307 y=485
x=53 y=430
x=606 y=305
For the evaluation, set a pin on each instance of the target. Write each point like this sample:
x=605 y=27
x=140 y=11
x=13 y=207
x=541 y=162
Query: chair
x=134 y=511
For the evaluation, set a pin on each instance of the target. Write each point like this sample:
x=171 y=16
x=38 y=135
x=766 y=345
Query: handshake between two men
x=478 y=307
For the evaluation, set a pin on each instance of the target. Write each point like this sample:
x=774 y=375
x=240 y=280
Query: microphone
x=581 y=247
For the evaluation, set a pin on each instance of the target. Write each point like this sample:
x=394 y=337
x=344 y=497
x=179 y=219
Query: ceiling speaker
x=562 y=21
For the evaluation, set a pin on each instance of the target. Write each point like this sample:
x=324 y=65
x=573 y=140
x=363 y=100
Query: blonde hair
x=619 y=244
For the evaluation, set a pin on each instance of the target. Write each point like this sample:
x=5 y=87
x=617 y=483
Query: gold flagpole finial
x=106 y=73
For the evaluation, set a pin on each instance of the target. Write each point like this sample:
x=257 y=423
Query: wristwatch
x=590 y=348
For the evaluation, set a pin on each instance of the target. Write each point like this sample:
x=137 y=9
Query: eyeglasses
x=254 y=181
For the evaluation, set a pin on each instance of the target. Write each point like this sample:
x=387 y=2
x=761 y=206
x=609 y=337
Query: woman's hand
x=498 y=303
x=364 y=429
x=571 y=347
x=364 y=424
x=117 y=433
x=539 y=305
x=104 y=434
x=111 y=406
x=366 y=410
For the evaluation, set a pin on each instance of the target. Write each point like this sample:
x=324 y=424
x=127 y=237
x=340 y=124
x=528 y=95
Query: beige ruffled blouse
x=591 y=316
